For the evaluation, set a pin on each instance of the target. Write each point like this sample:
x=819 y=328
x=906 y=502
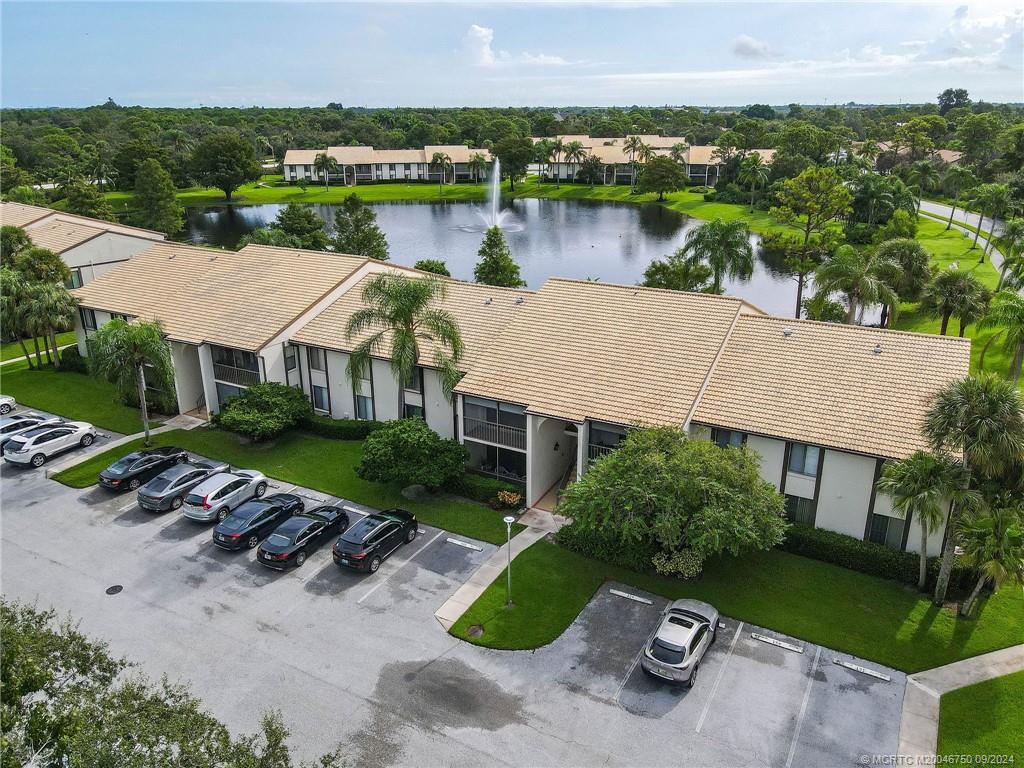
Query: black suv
x=365 y=545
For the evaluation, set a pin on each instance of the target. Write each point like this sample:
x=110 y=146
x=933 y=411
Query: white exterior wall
x=439 y=412
x=883 y=506
x=845 y=494
x=385 y=391
x=342 y=402
x=545 y=465
x=188 y=376
x=96 y=256
x=102 y=318
x=772 y=453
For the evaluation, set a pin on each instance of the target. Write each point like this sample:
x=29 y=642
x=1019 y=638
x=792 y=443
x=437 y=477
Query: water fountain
x=491 y=215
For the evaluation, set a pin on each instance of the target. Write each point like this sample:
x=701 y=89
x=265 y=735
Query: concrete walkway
x=919 y=724
x=22 y=357
x=538 y=525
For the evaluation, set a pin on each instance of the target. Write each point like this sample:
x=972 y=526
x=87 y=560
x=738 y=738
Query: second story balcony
x=597 y=451
x=242 y=377
x=490 y=432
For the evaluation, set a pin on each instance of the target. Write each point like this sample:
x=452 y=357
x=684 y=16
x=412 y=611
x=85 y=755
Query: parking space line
x=718 y=677
x=803 y=707
x=126 y=507
x=384 y=581
x=629 y=673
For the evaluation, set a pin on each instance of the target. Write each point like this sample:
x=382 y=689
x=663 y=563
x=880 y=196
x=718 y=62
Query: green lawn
x=984 y=719
x=75 y=396
x=872 y=618
x=313 y=462
x=12 y=349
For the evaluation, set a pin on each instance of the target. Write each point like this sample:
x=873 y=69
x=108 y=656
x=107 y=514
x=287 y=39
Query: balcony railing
x=241 y=377
x=597 y=451
x=477 y=429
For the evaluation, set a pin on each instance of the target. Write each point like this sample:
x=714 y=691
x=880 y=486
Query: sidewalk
x=22 y=357
x=538 y=525
x=919 y=724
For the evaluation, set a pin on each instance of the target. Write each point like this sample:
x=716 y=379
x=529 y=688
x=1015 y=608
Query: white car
x=215 y=497
x=7 y=404
x=21 y=423
x=39 y=444
x=678 y=644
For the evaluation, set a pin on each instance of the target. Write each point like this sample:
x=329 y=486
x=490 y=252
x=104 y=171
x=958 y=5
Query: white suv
x=215 y=497
x=7 y=404
x=41 y=443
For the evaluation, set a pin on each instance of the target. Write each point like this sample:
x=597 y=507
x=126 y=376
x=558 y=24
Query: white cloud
x=477 y=44
x=748 y=47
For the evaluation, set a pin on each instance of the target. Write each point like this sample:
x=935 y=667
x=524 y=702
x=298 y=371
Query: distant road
x=961 y=216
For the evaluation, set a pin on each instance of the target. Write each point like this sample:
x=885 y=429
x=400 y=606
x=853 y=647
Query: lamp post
x=509 y=519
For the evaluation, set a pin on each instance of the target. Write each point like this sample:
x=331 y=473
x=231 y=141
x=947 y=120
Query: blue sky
x=506 y=53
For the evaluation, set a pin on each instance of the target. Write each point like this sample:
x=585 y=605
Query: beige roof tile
x=301 y=156
x=459 y=153
x=20 y=215
x=60 y=236
x=482 y=312
x=32 y=217
x=823 y=384
x=235 y=298
x=616 y=353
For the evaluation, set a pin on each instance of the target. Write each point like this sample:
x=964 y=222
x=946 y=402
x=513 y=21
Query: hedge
x=869 y=557
x=71 y=360
x=340 y=429
x=602 y=546
x=482 y=488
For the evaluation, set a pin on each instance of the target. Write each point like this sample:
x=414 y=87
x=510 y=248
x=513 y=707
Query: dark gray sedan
x=167 y=490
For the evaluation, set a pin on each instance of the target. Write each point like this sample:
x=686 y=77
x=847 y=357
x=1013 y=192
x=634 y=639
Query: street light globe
x=509 y=519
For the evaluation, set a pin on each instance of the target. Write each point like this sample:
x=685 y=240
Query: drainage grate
x=475 y=630
x=113 y=590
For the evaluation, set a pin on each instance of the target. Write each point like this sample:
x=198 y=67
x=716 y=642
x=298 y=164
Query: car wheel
x=87 y=440
x=221 y=514
x=410 y=536
x=693 y=676
x=300 y=559
x=253 y=541
x=714 y=636
x=133 y=484
x=38 y=460
x=375 y=564
x=5 y=409
x=176 y=502
x=260 y=490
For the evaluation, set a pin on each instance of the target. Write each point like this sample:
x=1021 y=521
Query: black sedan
x=249 y=523
x=167 y=490
x=138 y=467
x=294 y=539
x=366 y=544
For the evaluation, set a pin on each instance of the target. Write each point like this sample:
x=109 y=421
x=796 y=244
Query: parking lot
x=360 y=661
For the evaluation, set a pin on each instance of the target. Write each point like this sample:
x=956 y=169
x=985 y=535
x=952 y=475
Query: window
x=88 y=318
x=75 y=281
x=320 y=400
x=118 y=316
x=291 y=359
x=364 y=407
x=316 y=358
x=726 y=438
x=887 y=530
x=799 y=510
x=415 y=382
x=606 y=435
x=803 y=459
x=234 y=358
x=413 y=411
x=226 y=391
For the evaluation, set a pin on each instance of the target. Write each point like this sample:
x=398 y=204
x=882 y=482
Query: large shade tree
x=226 y=161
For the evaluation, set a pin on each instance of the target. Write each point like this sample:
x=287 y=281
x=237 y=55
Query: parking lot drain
x=114 y=589
x=637 y=598
x=777 y=643
x=475 y=630
x=862 y=670
x=465 y=544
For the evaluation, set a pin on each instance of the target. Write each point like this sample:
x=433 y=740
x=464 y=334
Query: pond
x=549 y=238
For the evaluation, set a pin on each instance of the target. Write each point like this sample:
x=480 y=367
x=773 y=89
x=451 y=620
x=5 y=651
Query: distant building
x=366 y=165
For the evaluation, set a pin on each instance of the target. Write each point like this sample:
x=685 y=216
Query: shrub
x=265 y=410
x=156 y=402
x=601 y=545
x=901 y=225
x=868 y=557
x=409 y=452
x=777 y=245
x=71 y=360
x=508 y=500
x=340 y=429
x=685 y=564
x=858 y=233
x=482 y=488
x=709 y=197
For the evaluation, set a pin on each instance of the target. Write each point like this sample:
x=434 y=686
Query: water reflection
x=565 y=238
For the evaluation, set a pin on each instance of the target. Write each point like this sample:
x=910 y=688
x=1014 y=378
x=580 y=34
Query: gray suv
x=214 y=498
x=678 y=644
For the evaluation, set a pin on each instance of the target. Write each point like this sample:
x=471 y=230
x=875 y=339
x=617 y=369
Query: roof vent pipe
x=878 y=349
x=487 y=300
x=520 y=299
x=787 y=332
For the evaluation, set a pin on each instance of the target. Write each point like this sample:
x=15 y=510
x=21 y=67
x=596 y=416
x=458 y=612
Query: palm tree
x=999 y=201
x=574 y=153
x=982 y=419
x=678 y=152
x=958 y=179
x=14 y=295
x=1006 y=313
x=557 y=150
x=972 y=308
x=1012 y=240
x=632 y=145
x=126 y=354
x=920 y=485
x=50 y=307
x=952 y=291
x=993 y=544
x=444 y=162
x=179 y=142
x=754 y=173
x=924 y=175
x=399 y=311
x=725 y=247
x=991 y=200
x=477 y=164
x=878 y=192
x=325 y=164
x=870 y=150
x=864 y=278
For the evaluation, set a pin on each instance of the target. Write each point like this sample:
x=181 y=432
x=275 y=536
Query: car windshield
x=157 y=484
x=233 y=523
x=279 y=540
x=666 y=652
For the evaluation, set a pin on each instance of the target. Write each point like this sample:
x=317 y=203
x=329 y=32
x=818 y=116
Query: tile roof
x=238 y=299
x=823 y=383
x=60 y=236
x=482 y=312
x=459 y=153
x=616 y=353
x=300 y=156
x=31 y=216
x=20 y=215
x=365 y=155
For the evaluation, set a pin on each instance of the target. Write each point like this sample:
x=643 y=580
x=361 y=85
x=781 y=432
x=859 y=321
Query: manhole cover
x=475 y=630
x=114 y=589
